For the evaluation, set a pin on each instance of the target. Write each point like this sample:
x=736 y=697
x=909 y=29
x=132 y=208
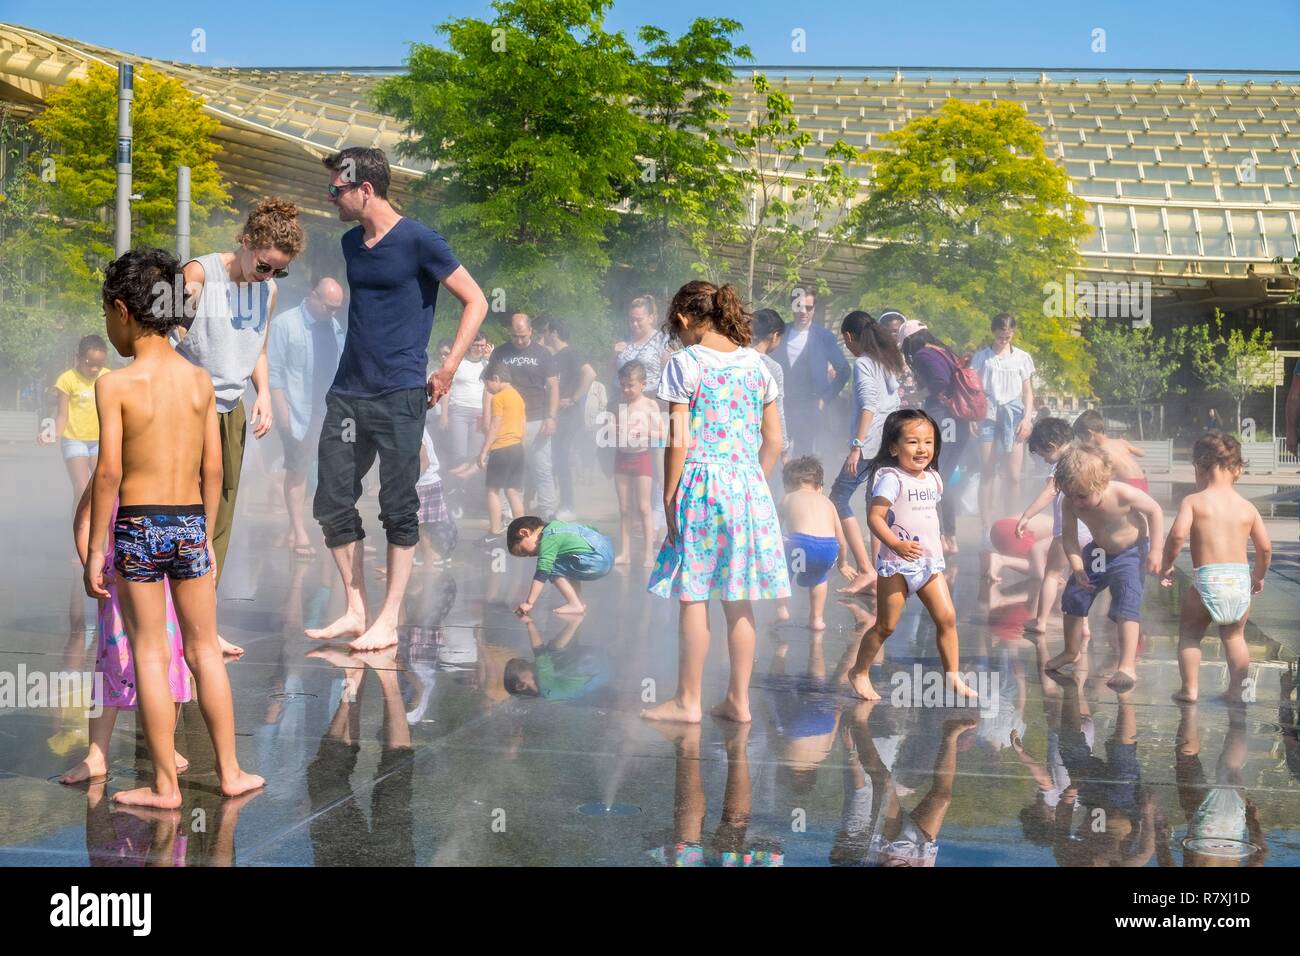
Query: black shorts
x=505 y=467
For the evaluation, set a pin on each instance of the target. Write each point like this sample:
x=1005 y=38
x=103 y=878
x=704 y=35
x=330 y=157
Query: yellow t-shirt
x=83 y=419
x=509 y=405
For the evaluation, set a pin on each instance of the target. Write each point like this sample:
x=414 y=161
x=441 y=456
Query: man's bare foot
x=349 y=625
x=93 y=767
x=961 y=689
x=146 y=797
x=228 y=649
x=816 y=624
x=863 y=581
x=1122 y=680
x=623 y=558
x=732 y=710
x=380 y=635
x=1062 y=661
x=1036 y=627
x=241 y=782
x=672 y=710
x=1186 y=695
x=860 y=681
x=571 y=609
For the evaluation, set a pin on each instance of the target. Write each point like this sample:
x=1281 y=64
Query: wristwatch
x=857 y=443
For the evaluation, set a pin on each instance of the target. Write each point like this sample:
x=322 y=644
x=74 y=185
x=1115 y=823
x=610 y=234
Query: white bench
x=1159 y=455
x=18 y=427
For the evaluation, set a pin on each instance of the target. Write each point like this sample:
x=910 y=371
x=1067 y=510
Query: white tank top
x=228 y=331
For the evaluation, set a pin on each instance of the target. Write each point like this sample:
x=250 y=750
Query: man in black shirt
x=534 y=376
x=576 y=376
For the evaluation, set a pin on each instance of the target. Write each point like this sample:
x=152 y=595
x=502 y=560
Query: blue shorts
x=1123 y=573
x=1002 y=428
x=809 y=558
x=585 y=565
x=72 y=448
x=152 y=542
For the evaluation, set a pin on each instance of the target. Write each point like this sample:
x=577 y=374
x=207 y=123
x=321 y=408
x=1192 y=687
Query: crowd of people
x=707 y=420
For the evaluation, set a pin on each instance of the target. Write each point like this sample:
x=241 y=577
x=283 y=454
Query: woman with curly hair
x=232 y=298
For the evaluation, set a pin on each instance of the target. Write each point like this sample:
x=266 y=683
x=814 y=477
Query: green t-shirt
x=559 y=538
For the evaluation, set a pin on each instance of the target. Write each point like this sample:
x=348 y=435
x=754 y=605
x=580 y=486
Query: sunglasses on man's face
x=336 y=191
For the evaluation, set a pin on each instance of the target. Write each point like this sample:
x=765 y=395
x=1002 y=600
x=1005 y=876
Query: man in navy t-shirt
x=377 y=404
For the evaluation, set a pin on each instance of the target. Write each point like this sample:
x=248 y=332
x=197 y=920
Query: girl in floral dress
x=723 y=538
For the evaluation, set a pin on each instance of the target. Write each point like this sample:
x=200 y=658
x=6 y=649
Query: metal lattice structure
x=1191 y=182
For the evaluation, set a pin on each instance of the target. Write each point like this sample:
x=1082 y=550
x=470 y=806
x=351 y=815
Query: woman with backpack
x=1007 y=374
x=953 y=394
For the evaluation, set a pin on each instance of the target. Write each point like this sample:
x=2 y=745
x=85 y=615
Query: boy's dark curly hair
x=145 y=281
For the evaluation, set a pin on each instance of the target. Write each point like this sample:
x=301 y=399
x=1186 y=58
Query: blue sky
x=1140 y=34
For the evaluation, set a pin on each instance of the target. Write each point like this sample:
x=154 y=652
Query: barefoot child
x=1219 y=521
x=723 y=540
x=567 y=554
x=639 y=430
x=1090 y=427
x=159 y=455
x=904 y=514
x=113 y=658
x=1117 y=558
x=814 y=539
x=502 y=456
x=1049 y=440
x=438 y=534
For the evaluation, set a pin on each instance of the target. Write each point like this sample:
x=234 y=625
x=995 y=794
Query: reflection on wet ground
x=419 y=756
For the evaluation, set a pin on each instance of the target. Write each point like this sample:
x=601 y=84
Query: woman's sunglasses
x=261 y=268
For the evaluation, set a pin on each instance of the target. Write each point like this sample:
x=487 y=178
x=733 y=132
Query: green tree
x=797 y=213
x=1236 y=363
x=687 y=192
x=56 y=223
x=526 y=121
x=968 y=218
x=1133 y=365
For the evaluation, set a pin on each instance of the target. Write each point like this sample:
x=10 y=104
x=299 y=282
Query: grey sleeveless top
x=228 y=331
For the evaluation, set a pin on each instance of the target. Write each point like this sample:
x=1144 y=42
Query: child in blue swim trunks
x=1219 y=521
x=814 y=537
x=567 y=554
x=1123 y=521
x=160 y=454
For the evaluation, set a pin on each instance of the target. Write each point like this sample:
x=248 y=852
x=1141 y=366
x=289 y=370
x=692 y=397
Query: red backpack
x=965 y=397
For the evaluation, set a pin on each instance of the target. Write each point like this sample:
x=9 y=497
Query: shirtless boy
x=1123 y=522
x=159 y=457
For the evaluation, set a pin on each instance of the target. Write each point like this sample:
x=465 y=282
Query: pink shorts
x=1139 y=483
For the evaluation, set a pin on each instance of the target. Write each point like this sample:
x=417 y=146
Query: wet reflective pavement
x=420 y=757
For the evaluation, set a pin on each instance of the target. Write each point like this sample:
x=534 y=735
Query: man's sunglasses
x=261 y=268
x=336 y=191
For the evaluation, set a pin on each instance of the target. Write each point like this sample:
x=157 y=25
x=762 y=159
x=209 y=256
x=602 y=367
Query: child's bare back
x=1123 y=457
x=1221 y=524
x=167 y=406
x=809 y=512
